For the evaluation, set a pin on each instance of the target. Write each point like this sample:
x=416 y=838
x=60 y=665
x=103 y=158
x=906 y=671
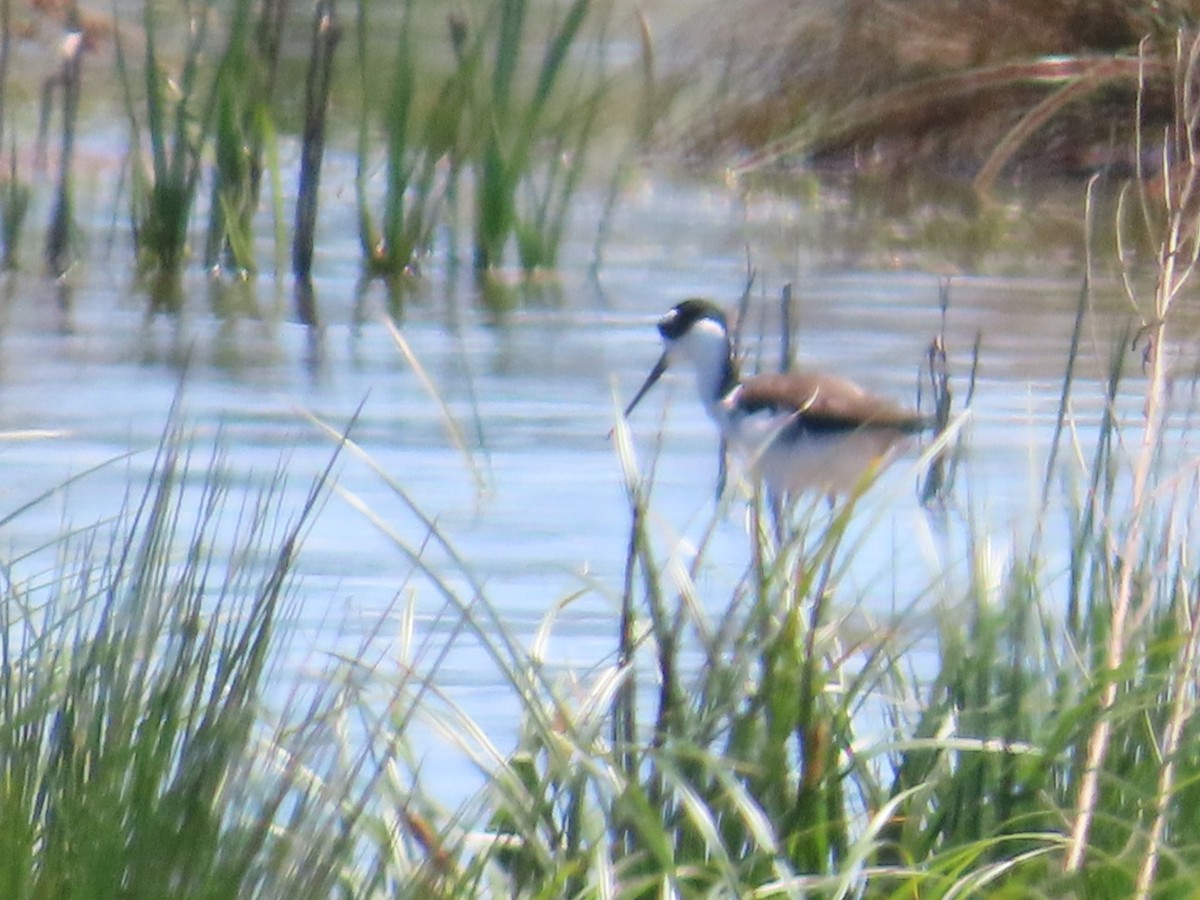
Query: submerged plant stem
x=326 y=32
x=58 y=238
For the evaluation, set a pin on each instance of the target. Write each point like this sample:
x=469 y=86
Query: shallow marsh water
x=535 y=503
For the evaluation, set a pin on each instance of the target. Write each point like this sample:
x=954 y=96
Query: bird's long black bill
x=655 y=374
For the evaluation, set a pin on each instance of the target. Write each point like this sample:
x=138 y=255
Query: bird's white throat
x=705 y=346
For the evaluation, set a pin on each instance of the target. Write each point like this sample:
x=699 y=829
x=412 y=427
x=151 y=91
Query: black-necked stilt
x=797 y=431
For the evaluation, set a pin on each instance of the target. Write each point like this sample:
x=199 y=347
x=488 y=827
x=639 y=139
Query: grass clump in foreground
x=136 y=757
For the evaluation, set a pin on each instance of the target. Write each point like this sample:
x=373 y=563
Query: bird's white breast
x=793 y=461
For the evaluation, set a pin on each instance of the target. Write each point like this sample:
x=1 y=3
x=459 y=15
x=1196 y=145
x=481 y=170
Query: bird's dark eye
x=670 y=326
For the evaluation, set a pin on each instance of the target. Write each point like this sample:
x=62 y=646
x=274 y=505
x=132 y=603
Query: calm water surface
x=536 y=502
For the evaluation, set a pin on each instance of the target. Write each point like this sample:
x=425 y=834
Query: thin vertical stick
x=320 y=74
x=787 y=309
x=5 y=43
x=58 y=238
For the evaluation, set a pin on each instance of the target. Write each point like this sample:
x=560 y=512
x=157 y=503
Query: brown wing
x=826 y=402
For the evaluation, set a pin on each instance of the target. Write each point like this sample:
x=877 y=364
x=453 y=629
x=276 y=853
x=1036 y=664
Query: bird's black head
x=680 y=318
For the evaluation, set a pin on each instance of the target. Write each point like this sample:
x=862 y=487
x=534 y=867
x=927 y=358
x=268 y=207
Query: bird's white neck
x=706 y=346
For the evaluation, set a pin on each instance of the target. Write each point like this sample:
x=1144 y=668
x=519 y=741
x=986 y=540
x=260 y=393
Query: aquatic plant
x=525 y=146
x=198 y=93
x=67 y=81
x=325 y=36
x=15 y=196
x=416 y=141
x=513 y=126
x=242 y=130
x=176 y=122
x=178 y=112
x=551 y=184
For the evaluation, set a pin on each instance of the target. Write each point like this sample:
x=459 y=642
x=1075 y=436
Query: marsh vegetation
x=1022 y=721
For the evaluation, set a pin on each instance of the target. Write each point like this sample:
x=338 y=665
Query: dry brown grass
x=962 y=87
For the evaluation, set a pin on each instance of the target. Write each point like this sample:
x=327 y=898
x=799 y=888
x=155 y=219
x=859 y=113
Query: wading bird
x=796 y=431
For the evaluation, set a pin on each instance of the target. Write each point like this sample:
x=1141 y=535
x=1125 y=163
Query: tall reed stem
x=67 y=80
x=1176 y=261
x=326 y=32
x=5 y=44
